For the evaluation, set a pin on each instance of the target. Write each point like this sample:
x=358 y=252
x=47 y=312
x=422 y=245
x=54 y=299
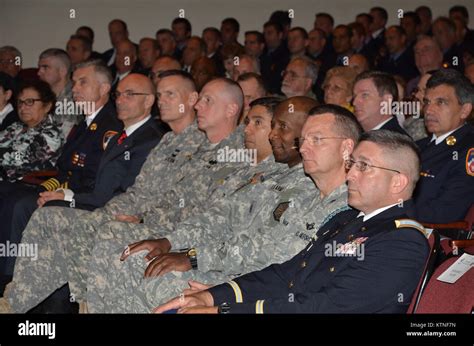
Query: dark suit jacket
x=81 y=155
x=393 y=125
x=403 y=66
x=318 y=280
x=272 y=65
x=9 y=119
x=445 y=190
x=107 y=55
x=120 y=164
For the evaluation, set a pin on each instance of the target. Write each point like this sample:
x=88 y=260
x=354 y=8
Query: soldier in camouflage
x=241 y=243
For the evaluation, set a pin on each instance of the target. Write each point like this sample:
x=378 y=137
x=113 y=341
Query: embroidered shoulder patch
x=470 y=162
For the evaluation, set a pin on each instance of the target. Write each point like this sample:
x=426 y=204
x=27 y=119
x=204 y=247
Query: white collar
x=375 y=212
x=132 y=128
x=379 y=126
x=375 y=34
x=90 y=118
x=443 y=137
x=4 y=112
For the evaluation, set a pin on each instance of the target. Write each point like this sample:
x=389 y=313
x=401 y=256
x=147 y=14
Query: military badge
x=278 y=212
x=470 y=162
x=451 y=140
x=93 y=127
x=107 y=137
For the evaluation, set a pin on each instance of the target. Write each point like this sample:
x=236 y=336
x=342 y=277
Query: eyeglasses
x=28 y=102
x=315 y=140
x=362 y=166
x=127 y=94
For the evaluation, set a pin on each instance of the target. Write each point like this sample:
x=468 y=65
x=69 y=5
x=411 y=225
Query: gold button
x=350 y=237
x=291 y=284
x=303 y=264
x=363 y=229
x=69 y=173
x=331 y=269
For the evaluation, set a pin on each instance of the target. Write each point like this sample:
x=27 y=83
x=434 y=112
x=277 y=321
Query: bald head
x=297 y=105
x=230 y=90
x=134 y=98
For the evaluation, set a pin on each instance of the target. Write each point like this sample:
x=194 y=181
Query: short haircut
x=104 y=75
x=357 y=27
x=258 y=34
x=180 y=73
x=345 y=124
x=327 y=16
x=187 y=23
x=463 y=88
x=89 y=30
x=347 y=73
x=255 y=61
x=446 y=21
x=346 y=27
x=321 y=32
x=202 y=43
x=251 y=75
x=311 y=69
x=269 y=102
x=124 y=25
x=424 y=9
x=232 y=22
x=281 y=17
x=384 y=82
x=58 y=54
x=166 y=32
x=382 y=11
x=278 y=27
x=234 y=89
x=214 y=30
x=42 y=88
x=12 y=50
x=303 y=31
x=155 y=43
x=366 y=15
x=413 y=15
x=86 y=43
x=167 y=57
x=399 y=29
x=6 y=82
x=405 y=150
x=461 y=9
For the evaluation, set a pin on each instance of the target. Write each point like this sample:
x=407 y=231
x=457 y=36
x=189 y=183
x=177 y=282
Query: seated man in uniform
x=368 y=260
x=446 y=188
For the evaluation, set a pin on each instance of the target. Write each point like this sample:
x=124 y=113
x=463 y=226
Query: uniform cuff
x=228 y=292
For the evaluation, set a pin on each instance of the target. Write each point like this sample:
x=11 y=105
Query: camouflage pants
x=114 y=286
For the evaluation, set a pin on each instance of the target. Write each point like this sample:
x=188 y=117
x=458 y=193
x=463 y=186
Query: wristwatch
x=224 y=308
x=192 y=255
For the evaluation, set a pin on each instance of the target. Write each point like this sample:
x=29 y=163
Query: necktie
x=122 y=137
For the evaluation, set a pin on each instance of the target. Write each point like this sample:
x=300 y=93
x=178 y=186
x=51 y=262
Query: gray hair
x=311 y=69
x=103 y=72
x=60 y=55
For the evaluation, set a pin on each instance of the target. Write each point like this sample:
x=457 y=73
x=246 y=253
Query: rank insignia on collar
x=470 y=162
x=309 y=226
x=451 y=140
x=93 y=127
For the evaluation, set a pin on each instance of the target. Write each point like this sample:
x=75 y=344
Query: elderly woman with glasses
x=32 y=143
x=338 y=85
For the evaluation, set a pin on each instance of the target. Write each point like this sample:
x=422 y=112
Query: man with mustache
x=445 y=191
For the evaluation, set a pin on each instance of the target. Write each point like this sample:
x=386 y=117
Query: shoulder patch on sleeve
x=470 y=162
x=404 y=223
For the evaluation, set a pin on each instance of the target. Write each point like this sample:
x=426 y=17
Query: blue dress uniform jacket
x=120 y=165
x=445 y=190
x=81 y=155
x=394 y=126
x=326 y=278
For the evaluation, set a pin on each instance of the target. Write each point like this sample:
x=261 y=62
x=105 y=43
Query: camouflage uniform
x=253 y=236
x=415 y=127
x=79 y=239
x=24 y=150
